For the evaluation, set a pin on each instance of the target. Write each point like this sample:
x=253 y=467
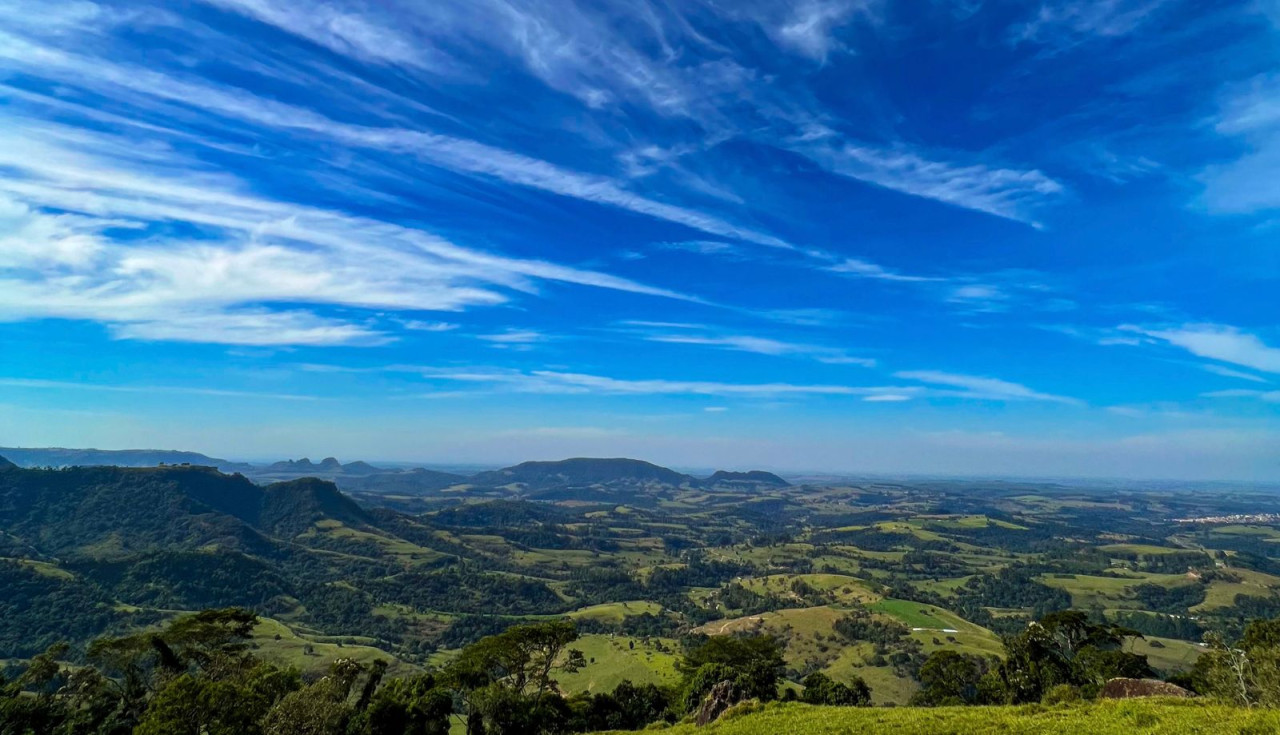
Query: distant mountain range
x=362 y=477
x=59 y=457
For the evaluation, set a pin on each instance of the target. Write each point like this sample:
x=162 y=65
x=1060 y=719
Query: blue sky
x=856 y=235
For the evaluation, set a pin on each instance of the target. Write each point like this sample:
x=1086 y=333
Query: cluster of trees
x=735 y=596
x=1062 y=652
x=1162 y=626
x=1012 y=587
x=459 y=590
x=1170 y=600
x=1244 y=671
x=198 y=676
x=27 y=628
x=860 y=626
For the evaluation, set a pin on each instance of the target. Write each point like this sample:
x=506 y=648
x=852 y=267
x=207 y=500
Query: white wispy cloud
x=457 y=154
x=972 y=386
x=1266 y=396
x=85 y=233
x=1227 y=372
x=350 y=32
x=419 y=325
x=1250 y=117
x=1063 y=23
x=865 y=269
x=257 y=327
x=615 y=385
x=810 y=28
x=514 y=336
x=1011 y=193
x=555 y=382
x=1216 y=342
x=61 y=385
x=974 y=293
x=661 y=325
x=763 y=346
x=705 y=247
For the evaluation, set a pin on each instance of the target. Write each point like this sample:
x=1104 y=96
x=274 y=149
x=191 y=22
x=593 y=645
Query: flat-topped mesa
x=582 y=471
x=753 y=477
x=63 y=457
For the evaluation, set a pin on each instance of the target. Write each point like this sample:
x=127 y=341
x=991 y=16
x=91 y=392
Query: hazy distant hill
x=60 y=457
x=556 y=477
x=404 y=482
x=358 y=476
x=581 y=471
x=354 y=476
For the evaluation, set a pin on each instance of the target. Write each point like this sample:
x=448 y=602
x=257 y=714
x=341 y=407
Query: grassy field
x=933 y=621
x=1222 y=593
x=403 y=551
x=610 y=659
x=616 y=612
x=1148 y=717
x=1109 y=592
x=1174 y=655
x=810 y=638
x=278 y=643
x=44 y=568
x=843 y=588
x=915 y=614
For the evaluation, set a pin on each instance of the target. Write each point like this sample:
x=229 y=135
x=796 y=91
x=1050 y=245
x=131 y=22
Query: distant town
x=1247 y=518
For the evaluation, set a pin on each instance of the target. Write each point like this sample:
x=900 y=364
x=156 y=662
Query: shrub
x=1061 y=694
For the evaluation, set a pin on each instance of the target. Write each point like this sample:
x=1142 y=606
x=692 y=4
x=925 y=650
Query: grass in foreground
x=1166 y=717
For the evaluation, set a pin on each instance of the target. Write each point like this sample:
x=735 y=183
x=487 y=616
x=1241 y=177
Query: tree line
x=198 y=675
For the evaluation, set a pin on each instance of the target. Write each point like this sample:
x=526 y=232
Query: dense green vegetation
x=870 y=593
